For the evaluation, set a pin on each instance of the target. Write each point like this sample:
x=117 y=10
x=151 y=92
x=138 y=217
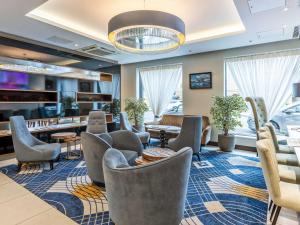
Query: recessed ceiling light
x=76 y=45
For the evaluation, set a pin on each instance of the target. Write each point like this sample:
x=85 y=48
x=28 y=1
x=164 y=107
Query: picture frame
x=201 y=80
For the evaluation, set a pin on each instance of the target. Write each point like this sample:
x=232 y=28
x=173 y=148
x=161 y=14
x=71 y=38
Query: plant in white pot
x=226 y=113
x=136 y=109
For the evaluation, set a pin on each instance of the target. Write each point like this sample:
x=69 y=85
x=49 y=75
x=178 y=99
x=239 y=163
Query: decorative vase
x=226 y=142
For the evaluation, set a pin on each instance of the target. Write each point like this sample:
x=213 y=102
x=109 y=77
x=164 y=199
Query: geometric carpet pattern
x=223 y=189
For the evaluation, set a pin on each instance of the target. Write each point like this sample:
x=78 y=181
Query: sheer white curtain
x=160 y=83
x=267 y=75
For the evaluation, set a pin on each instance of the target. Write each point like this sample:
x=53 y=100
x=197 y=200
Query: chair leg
x=276 y=215
x=58 y=158
x=273 y=211
x=19 y=166
x=51 y=164
x=270 y=204
x=198 y=155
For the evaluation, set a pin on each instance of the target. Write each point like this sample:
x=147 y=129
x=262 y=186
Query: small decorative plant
x=70 y=107
x=226 y=113
x=114 y=108
x=69 y=102
x=136 y=109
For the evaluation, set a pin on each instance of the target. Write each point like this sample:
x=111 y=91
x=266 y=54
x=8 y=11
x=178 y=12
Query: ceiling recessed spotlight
x=76 y=45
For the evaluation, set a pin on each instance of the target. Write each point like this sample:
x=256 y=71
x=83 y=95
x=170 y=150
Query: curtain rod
x=263 y=53
x=172 y=64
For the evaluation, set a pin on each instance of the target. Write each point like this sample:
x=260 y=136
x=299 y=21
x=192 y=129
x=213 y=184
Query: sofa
x=176 y=120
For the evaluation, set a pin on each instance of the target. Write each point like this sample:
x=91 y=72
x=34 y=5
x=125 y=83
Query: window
x=270 y=76
x=161 y=87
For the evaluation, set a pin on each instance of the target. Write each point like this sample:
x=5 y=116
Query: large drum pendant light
x=146 y=32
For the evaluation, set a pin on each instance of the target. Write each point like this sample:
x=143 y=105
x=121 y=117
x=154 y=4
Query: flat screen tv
x=13 y=80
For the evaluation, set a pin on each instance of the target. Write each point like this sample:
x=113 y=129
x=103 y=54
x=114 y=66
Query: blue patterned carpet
x=225 y=189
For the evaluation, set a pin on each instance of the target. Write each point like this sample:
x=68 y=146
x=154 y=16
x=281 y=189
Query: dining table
x=294 y=138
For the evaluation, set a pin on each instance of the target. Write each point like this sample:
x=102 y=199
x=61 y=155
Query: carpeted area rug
x=224 y=189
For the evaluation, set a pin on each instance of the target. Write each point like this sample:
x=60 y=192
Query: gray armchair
x=145 y=195
x=96 y=122
x=28 y=148
x=190 y=135
x=125 y=125
x=94 y=147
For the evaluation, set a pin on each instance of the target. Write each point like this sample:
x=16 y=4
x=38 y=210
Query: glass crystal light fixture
x=146 y=32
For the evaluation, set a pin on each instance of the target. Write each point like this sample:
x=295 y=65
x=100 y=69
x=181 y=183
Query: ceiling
x=210 y=24
x=203 y=19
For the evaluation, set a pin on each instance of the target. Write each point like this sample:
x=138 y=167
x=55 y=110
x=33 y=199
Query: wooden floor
x=15 y=194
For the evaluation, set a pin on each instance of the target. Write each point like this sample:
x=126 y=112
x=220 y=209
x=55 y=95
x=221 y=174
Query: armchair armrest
x=37 y=141
x=152 y=123
x=126 y=140
x=206 y=134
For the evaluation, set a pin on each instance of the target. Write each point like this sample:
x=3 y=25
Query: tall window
x=161 y=87
x=269 y=76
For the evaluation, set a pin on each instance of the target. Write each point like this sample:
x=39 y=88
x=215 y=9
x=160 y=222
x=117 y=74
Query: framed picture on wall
x=201 y=80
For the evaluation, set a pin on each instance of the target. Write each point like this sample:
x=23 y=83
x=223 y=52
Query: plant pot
x=226 y=142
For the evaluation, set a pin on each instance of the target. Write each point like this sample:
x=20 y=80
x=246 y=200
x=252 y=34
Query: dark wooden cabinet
x=85 y=97
x=27 y=96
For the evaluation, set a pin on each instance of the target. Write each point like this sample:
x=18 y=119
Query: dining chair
x=259 y=111
x=282 y=158
x=282 y=194
x=279 y=148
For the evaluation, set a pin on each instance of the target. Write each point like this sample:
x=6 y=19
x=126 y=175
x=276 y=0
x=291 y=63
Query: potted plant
x=226 y=113
x=136 y=109
x=70 y=106
x=113 y=108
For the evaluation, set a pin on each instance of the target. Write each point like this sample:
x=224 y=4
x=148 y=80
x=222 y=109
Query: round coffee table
x=154 y=154
x=67 y=137
x=164 y=131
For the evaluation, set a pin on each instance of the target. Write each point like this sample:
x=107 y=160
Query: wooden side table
x=68 y=138
x=154 y=154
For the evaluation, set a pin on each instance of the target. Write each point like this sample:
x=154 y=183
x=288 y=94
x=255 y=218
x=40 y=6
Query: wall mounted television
x=13 y=80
